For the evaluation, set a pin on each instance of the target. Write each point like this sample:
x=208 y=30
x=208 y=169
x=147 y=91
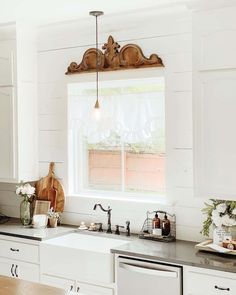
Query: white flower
x=29 y=190
x=227 y=221
x=221 y=208
x=217 y=220
x=215 y=214
x=234 y=211
x=18 y=190
x=26 y=189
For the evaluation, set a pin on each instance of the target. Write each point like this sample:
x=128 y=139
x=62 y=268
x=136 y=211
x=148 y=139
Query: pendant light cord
x=97 y=56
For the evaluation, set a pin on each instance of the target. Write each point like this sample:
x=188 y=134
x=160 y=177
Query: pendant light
x=96 y=110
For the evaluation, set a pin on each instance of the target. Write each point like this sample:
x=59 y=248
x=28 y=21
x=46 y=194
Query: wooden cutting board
x=50 y=189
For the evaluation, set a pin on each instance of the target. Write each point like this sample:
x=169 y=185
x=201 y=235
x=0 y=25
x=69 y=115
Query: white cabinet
x=7 y=61
x=202 y=281
x=18 y=104
x=19 y=259
x=214 y=103
x=90 y=289
x=14 y=249
x=66 y=284
x=7 y=107
x=19 y=269
x=75 y=286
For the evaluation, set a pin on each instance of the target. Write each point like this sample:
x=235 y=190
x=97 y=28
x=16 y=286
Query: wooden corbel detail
x=113 y=58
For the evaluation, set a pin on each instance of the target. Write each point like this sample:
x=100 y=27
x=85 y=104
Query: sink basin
x=87 y=242
x=79 y=257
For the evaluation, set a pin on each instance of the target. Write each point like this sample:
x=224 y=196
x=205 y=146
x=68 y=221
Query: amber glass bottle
x=165 y=226
x=156 y=222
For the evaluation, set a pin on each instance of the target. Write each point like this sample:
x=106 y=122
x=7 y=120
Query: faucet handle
x=127 y=228
x=117 y=231
x=100 y=229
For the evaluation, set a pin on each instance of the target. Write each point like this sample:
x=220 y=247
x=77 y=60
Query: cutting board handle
x=51 y=169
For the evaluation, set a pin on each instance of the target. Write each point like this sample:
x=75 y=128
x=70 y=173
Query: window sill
x=125 y=197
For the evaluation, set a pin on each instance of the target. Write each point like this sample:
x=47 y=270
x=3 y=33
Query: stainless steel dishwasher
x=140 y=277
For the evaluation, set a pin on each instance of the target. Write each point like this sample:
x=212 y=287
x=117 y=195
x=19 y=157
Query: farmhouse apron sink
x=79 y=256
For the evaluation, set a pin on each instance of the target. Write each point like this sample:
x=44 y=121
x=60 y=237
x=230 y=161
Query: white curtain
x=133 y=117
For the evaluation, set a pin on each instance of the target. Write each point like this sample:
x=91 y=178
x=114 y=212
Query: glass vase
x=25 y=216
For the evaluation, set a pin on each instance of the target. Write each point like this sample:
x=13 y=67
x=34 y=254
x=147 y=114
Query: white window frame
x=117 y=195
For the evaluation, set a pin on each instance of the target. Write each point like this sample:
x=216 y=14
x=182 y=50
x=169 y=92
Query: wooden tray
x=203 y=246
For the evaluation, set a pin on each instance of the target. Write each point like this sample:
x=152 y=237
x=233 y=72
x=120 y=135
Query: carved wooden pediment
x=113 y=58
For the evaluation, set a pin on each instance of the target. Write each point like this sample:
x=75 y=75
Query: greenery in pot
x=219 y=213
x=53 y=214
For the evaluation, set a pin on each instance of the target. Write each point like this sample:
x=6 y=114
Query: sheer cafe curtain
x=134 y=117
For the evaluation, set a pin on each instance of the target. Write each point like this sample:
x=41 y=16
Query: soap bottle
x=165 y=226
x=156 y=222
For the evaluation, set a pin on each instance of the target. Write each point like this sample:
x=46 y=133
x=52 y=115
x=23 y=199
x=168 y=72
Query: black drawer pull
x=77 y=290
x=222 y=289
x=16 y=272
x=14 y=250
x=12 y=270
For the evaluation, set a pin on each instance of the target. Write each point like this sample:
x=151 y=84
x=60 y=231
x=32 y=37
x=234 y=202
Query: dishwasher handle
x=148 y=271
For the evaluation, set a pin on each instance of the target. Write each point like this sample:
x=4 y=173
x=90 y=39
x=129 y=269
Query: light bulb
x=96 y=114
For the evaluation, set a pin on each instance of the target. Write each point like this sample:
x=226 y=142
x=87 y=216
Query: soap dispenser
x=156 y=222
x=165 y=226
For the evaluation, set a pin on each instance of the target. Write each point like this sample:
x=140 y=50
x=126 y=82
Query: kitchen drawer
x=65 y=284
x=19 y=251
x=88 y=289
x=204 y=284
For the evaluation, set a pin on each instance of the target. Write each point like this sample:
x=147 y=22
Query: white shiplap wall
x=169 y=35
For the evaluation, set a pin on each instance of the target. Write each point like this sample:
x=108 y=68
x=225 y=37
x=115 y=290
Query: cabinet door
x=67 y=285
x=214 y=102
x=6 y=62
x=6 y=267
x=215 y=141
x=20 y=270
x=89 y=289
x=7 y=131
x=26 y=271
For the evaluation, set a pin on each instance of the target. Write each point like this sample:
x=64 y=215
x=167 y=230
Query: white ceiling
x=50 y=11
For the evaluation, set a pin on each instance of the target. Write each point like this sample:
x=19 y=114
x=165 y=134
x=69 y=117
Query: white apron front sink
x=80 y=257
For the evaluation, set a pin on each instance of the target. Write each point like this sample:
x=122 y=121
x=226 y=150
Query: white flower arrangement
x=25 y=190
x=220 y=213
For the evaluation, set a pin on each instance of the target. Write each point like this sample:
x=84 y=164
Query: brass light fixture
x=96 y=106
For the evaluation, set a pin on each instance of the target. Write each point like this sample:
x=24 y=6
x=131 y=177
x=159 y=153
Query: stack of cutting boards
x=50 y=189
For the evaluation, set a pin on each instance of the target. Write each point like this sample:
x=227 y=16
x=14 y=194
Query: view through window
x=125 y=149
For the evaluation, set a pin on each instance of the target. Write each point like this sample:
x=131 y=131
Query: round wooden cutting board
x=50 y=189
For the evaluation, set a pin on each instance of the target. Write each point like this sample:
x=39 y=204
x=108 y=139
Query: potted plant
x=222 y=215
x=26 y=191
x=53 y=217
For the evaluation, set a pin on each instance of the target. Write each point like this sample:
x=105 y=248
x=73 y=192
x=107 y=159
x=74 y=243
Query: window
x=123 y=151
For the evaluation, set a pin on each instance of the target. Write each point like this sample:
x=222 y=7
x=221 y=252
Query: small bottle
x=165 y=226
x=156 y=222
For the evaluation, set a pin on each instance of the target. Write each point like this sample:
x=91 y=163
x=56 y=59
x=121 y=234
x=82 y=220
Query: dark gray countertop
x=179 y=252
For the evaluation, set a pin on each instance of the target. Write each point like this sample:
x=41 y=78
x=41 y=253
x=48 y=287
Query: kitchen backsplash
x=189 y=218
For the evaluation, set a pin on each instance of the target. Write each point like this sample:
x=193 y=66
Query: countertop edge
x=170 y=260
